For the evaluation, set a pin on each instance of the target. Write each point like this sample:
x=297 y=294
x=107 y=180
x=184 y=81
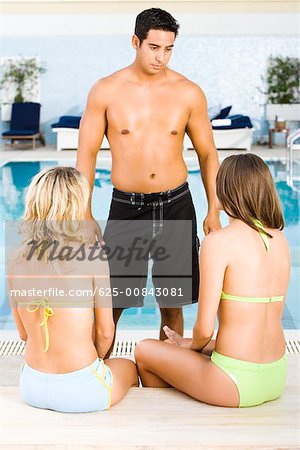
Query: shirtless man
x=145 y=110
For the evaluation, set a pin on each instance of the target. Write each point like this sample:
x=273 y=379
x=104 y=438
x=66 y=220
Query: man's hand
x=175 y=338
x=93 y=228
x=211 y=222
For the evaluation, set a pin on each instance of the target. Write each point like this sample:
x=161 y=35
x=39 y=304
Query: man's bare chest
x=135 y=109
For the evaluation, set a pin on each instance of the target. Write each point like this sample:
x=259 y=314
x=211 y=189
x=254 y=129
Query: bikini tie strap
x=262 y=233
x=48 y=312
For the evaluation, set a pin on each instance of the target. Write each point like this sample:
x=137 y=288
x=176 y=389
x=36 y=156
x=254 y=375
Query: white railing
x=291 y=147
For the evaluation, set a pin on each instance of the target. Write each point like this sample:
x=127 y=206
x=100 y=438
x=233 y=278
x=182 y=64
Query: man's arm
x=200 y=132
x=91 y=133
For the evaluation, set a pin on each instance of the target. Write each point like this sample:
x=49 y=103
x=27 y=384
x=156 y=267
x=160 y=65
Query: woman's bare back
x=252 y=331
x=66 y=291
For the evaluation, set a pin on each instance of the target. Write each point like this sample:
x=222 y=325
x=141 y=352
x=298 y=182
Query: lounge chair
x=67 y=129
x=25 y=124
x=233 y=131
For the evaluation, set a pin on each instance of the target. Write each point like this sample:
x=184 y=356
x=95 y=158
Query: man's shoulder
x=106 y=82
x=109 y=82
x=115 y=77
x=185 y=83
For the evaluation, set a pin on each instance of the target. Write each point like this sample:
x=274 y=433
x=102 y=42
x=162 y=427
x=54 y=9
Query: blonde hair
x=246 y=190
x=55 y=204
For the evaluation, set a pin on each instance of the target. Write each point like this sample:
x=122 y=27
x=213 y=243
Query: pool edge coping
x=134 y=335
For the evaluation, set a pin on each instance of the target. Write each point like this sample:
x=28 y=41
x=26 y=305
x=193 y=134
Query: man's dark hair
x=154 y=19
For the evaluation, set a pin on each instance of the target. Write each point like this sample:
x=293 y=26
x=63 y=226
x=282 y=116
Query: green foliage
x=283 y=85
x=21 y=72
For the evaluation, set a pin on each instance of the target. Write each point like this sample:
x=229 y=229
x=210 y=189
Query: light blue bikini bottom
x=84 y=390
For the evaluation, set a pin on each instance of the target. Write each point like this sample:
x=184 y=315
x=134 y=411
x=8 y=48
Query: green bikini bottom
x=256 y=382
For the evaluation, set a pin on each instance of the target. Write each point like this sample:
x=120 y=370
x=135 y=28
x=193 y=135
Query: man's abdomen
x=148 y=165
x=137 y=178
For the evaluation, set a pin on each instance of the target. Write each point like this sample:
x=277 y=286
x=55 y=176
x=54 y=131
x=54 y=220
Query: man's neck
x=144 y=77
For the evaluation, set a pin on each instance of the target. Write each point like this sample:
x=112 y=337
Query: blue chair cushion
x=67 y=122
x=237 y=121
x=223 y=113
x=25 y=117
x=20 y=132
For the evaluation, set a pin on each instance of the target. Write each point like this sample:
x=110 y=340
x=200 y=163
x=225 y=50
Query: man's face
x=155 y=51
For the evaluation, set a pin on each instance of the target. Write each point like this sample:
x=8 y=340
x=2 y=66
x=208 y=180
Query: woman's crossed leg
x=166 y=365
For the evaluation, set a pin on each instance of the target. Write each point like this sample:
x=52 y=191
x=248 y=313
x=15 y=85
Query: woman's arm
x=19 y=323
x=213 y=263
x=104 y=327
x=14 y=309
x=209 y=348
x=104 y=330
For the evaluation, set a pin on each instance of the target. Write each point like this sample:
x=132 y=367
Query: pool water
x=15 y=177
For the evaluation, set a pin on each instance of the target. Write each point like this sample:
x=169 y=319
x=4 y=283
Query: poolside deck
x=104 y=156
x=156 y=419
x=151 y=418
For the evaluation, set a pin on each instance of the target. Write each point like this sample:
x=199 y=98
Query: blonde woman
x=67 y=335
x=244 y=273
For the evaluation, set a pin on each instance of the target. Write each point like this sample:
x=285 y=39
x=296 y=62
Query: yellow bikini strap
x=39 y=249
x=262 y=234
x=48 y=312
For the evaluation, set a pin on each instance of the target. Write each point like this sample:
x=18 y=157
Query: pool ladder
x=291 y=147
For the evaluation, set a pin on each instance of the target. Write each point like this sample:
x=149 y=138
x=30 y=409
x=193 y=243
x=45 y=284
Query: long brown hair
x=246 y=190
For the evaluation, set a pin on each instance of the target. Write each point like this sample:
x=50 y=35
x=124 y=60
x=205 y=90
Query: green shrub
x=283 y=85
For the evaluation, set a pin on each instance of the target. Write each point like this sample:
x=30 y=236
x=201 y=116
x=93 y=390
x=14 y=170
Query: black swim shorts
x=153 y=235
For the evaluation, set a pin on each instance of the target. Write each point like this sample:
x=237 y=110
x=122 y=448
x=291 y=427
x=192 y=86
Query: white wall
x=204 y=24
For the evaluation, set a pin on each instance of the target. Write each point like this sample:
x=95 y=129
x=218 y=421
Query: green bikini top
x=238 y=298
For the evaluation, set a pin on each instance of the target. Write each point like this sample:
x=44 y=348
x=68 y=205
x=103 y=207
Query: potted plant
x=19 y=80
x=283 y=89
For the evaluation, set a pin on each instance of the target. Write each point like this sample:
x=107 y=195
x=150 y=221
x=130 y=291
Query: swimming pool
x=15 y=177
